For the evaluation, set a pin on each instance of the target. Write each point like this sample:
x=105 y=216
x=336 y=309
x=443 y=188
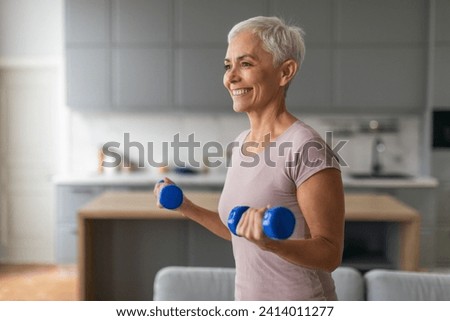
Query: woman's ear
x=288 y=70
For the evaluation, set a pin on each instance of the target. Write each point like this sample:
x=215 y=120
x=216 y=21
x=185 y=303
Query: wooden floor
x=38 y=283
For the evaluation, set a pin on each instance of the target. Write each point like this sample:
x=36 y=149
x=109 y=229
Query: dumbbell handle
x=170 y=196
x=278 y=222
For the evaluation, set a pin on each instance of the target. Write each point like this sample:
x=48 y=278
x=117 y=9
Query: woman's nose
x=231 y=76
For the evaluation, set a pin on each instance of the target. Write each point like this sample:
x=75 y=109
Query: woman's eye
x=227 y=67
x=246 y=64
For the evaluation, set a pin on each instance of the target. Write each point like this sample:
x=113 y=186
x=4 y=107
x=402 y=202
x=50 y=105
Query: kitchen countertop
x=216 y=179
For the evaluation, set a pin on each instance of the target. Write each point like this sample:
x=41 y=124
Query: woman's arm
x=321 y=200
x=204 y=217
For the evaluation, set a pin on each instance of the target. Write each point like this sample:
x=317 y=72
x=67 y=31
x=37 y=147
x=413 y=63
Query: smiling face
x=250 y=76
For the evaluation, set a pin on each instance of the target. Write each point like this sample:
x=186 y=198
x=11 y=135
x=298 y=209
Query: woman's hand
x=250 y=226
x=203 y=216
x=158 y=186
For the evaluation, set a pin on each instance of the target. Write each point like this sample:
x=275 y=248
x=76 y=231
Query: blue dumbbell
x=170 y=196
x=278 y=222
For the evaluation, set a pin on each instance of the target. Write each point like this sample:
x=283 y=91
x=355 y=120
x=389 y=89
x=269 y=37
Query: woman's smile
x=241 y=91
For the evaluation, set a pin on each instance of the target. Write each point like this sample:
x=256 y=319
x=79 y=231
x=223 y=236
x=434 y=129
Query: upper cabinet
x=142 y=22
x=150 y=55
x=119 y=55
x=442 y=55
x=380 y=55
x=167 y=55
x=201 y=29
x=88 y=68
x=87 y=22
x=365 y=56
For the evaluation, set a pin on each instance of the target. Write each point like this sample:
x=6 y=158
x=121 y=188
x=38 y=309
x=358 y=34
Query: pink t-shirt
x=272 y=178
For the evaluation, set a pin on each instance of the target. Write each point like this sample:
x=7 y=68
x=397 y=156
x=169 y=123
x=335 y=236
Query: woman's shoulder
x=242 y=135
x=300 y=133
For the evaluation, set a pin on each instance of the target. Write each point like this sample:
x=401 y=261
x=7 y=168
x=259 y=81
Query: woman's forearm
x=208 y=219
x=314 y=253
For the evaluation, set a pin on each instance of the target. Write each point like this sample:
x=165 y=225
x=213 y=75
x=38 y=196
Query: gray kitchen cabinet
x=68 y=200
x=167 y=55
x=88 y=61
x=442 y=76
x=443 y=248
x=201 y=30
x=311 y=89
x=314 y=17
x=441 y=70
x=360 y=55
x=199 y=80
x=381 y=55
x=66 y=243
x=424 y=200
x=88 y=79
x=142 y=22
x=441 y=170
x=442 y=21
x=87 y=22
x=379 y=79
x=381 y=21
x=141 y=79
x=206 y=22
x=118 y=55
x=443 y=211
x=443 y=224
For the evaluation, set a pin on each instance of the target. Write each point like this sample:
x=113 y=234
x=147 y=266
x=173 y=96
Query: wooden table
x=126 y=206
x=385 y=208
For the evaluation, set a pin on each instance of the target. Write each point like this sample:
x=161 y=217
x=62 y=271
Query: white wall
x=30 y=28
x=31 y=81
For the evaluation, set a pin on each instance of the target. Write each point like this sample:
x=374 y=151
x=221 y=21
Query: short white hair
x=281 y=40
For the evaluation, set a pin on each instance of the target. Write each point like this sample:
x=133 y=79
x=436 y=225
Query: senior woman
x=280 y=161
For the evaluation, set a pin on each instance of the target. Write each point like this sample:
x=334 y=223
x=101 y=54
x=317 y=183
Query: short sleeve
x=312 y=157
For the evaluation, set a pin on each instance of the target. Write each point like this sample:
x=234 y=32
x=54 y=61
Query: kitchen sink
x=380 y=176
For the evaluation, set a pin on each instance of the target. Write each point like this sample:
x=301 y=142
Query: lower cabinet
x=66 y=243
x=69 y=199
x=443 y=250
x=443 y=225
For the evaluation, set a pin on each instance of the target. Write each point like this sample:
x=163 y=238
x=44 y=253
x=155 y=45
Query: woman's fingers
x=250 y=224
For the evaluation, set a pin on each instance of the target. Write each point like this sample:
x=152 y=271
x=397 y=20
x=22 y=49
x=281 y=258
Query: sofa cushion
x=349 y=284
x=176 y=283
x=385 y=285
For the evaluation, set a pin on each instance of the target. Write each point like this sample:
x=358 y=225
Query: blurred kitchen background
x=77 y=74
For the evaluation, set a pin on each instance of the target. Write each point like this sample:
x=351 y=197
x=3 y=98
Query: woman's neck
x=273 y=122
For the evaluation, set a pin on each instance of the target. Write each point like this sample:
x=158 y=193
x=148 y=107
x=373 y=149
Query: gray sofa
x=217 y=284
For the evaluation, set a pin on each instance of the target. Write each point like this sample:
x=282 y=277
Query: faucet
x=378 y=147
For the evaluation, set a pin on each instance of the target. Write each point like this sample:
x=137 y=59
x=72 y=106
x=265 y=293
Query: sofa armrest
x=385 y=285
x=349 y=284
x=179 y=283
